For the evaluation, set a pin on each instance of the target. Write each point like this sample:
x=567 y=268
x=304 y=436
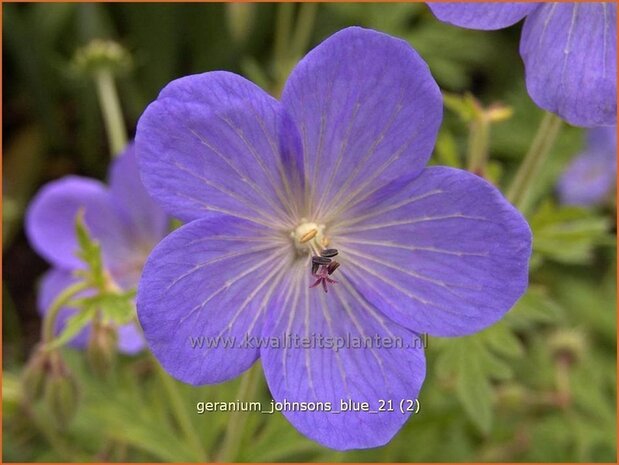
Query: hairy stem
x=479 y=137
x=111 y=111
x=303 y=31
x=179 y=411
x=236 y=424
x=49 y=320
x=528 y=171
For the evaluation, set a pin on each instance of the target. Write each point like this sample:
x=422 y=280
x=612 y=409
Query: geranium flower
x=123 y=218
x=276 y=192
x=569 y=52
x=591 y=175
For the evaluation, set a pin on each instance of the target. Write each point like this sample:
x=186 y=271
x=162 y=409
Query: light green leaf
x=89 y=252
x=117 y=307
x=568 y=234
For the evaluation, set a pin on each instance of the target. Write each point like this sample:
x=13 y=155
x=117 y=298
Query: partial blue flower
x=591 y=176
x=122 y=217
x=569 y=52
x=266 y=185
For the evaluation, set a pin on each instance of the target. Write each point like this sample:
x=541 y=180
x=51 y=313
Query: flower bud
x=101 y=54
x=498 y=112
x=101 y=351
x=60 y=392
x=567 y=346
x=34 y=374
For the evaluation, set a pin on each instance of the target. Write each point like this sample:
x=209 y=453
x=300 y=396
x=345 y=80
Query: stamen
x=331 y=267
x=321 y=260
x=329 y=253
x=308 y=236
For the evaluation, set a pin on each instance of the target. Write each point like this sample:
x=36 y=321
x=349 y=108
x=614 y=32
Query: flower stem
x=282 y=39
x=111 y=111
x=236 y=424
x=528 y=171
x=479 y=137
x=180 y=413
x=303 y=31
x=49 y=320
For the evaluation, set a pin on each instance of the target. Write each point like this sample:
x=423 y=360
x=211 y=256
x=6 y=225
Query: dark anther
x=328 y=253
x=320 y=260
x=315 y=267
x=331 y=267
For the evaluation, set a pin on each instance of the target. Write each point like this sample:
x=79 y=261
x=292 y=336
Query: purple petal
x=309 y=372
x=602 y=139
x=445 y=254
x=216 y=142
x=211 y=278
x=570 y=56
x=482 y=15
x=148 y=222
x=50 y=221
x=130 y=339
x=368 y=110
x=591 y=175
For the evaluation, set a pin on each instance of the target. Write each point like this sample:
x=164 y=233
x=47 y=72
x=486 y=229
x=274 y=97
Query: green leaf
x=473 y=363
x=74 y=325
x=568 y=234
x=89 y=252
x=474 y=392
x=464 y=106
x=446 y=152
x=117 y=307
x=534 y=307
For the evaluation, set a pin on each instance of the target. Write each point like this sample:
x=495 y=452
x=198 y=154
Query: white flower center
x=309 y=236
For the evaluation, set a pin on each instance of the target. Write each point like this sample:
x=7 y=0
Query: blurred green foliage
x=538 y=386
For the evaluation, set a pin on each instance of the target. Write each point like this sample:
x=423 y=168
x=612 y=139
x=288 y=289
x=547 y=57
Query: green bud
x=101 y=55
x=102 y=346
x=567 y=346
x=34 y=374
x=60 y=393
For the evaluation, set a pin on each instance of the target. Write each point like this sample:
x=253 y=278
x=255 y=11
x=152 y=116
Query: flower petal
x=591 y=175
x=50 y=221
x=368 y=110
x=130 y=339
x=217 y=142
x=445 y=254
x=208 y=281
x=340 y=368
x=148 y=221
x=570 y=56
x=481 y=15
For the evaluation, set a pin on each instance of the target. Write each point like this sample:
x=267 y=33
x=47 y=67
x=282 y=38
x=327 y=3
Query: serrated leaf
x=117 y=307
x=475 y=395
x=473 y=362
x=89 y=251
x=534 y=307
x=74 y=325
x=567 y=234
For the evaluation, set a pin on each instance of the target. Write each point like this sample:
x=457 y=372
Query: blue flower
x=123 y=218
x=569 y=52
x=277 y=194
